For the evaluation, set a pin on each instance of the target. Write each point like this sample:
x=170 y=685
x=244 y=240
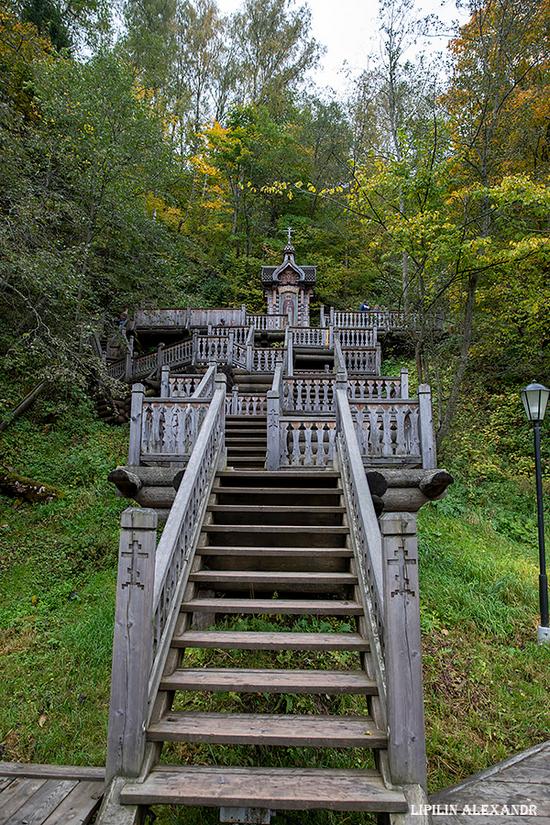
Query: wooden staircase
x=274 y=548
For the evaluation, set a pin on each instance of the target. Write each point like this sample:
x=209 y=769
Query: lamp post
x=535 y=399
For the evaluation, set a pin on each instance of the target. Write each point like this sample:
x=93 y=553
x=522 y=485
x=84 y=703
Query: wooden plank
x=5 y=783
x=17 y=795
x=274 y=508
x=268 y=729
x=270 y=681
x=266 y=491
x=43 y=802
x=276 y=578
x=275 y=528
x=227 y=640
x=256 y=550
x=51 y=771
x=78 y=806
x=275 y=788
x=291 y=607
x=494 y=792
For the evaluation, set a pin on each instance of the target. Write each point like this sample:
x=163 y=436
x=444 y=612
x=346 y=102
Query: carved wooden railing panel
x=182 y=386
x=245 y=404
x=310 y=337
x=240 y=334
x=169 y=427
x=267 y=322
x=382 y=387
x=383 y=319
x=388 y=430
x=264 y=359
x=145 y=364
x=358 y=338
x=306 y=442
x=362 y=361
x=308 y=394
x=178 y=354
x=213 y=348
x=116 y=369
x=240 y=356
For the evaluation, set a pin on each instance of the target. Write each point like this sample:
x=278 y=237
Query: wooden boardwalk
x=49 y=794
x=522 y=780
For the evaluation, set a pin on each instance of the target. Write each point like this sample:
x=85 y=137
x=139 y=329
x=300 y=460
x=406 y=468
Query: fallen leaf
x=42 y=720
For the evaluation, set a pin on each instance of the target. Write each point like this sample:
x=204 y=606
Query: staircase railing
x=274 y=402
x=150 y=587
x=386 y=558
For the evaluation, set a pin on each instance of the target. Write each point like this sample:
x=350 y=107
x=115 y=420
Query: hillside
x=486 y=681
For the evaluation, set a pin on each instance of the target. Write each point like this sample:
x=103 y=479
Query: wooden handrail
x=176 y=548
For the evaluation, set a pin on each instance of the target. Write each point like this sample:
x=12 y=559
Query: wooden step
x=243 y=680
x=282 y=789
x=277 y=528
x=253 y=448
x=279 y=579
x=280 y=475
x=288 y=552
x=268 y=729
x=274 y=508
x=266 y=491
x=274 y=607
x=250 y=640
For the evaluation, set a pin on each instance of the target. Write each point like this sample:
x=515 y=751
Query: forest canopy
x=156 y=157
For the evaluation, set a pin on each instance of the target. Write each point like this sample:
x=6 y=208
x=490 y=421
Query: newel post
x=404 y=383
x=132 y=643
x=230 y=347
x=136 y=413
x=129 y=367
x=165 y=382
x=322 y=315
x=160 y=357
x=427 y=439
x=194 y=348
x=403 y=657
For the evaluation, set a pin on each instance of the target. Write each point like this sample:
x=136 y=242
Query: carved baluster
x=387 y=441
x=375 y=442
x=414 y=435
x=308 y=453
x=400 y=445
x=299 y=394
x=295 y=458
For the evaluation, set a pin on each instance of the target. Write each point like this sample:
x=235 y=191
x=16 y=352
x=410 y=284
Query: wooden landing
x=49 y=794
x=522 y=780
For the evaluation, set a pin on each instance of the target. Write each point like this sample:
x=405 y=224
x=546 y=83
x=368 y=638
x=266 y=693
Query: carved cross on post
x=134 y=553
x=401 y=577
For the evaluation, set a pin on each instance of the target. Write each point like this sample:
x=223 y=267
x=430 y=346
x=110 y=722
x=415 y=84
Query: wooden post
x=165 y=382
x=404 y=383
x=405 y=707
x=160 y=357
x=129 y=359
x=290 y=353
x=194 y=347
x=378 y=362
x=136 y=413
x=230 y=347
x=132 y=644
x=331 y=336
x=331 y=316
x=249 y=357
x=235 y=400
x=322 y=315
x=427 y=440
x=243 y=315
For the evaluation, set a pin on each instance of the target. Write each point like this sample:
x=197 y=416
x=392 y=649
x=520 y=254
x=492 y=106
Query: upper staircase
x=267 y=642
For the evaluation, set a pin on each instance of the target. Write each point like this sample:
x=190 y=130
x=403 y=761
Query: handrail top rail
x=173 y=525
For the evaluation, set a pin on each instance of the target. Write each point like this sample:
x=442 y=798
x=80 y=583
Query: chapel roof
x=306 y=274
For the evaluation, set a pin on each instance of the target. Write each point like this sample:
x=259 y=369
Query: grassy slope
x=485 y=679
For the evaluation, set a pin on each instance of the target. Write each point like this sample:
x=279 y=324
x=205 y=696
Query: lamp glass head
x=535 y=399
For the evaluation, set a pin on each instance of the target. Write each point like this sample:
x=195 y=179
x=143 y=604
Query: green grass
x=485 y=678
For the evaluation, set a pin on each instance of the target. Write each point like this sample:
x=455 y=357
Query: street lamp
x=535 y=399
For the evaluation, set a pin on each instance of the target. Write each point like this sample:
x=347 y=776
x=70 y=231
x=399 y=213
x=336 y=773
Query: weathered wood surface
x=132 y=644
x=268 y=729
x=522 y=780
x=300 y=607
x=270 y=681
x=278 y=788
x=250 y=640
x=49 y=794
